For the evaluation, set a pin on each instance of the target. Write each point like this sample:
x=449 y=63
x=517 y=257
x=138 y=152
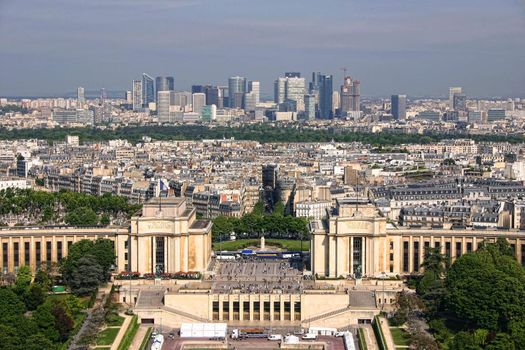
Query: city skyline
x=101 y=44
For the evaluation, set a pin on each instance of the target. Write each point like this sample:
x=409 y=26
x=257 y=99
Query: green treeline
x=256 y=132
x=78 y=209
x=476 y=303
x=31 y=317
x=13 y=108
x=257 y=223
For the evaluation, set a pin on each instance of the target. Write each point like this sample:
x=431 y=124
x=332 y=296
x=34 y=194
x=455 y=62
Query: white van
x=310 y=336
x=275 y=337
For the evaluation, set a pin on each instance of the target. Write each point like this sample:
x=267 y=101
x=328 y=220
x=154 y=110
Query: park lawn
x=103 y=348
x=286 y=244
x=83 y=301
x=115 y=320
x=60 y=296
x=146 y=339
x=400 y=336
x=107 y=336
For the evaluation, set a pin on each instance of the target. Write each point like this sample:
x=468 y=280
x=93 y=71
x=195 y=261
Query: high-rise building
x=269 y=175
x=430 y=115
x=22 y=167
x=181 y=99
x=295 y=90
x=336 y=102
x=199 y=101
x=279 y=90
x=148 y=90
x=103 y=94
x=212 y=96
x=292 y=75
x=459 y=102
x=209 y=113
x=137 y=94
x=398 y=107
x=475 y=117
x=250 y=101
x=325 y=84
x=81 y=99
x=165 y=83
x=291 y=88
x=197 y=89
x=314 y=84
x=236 y=90
x=495 y=114
x=255 y=88
x=350 y=96
x=163 y=106
x=309 y=106
x=451 y=92
x=237 y=100
x=129 y=97
x=223 y=97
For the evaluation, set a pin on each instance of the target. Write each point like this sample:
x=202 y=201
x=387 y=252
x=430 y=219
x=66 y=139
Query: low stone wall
x=304 y=345
x=188 y=345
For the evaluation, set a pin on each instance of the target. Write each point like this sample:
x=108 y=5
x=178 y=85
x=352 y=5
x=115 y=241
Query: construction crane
x=344 y=69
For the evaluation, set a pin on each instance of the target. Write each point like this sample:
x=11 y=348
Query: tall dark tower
x=325 y=96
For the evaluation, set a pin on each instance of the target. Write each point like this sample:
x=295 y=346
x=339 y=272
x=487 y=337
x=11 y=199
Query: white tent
x=322 y=330
x=203 y=330
x=291 y=339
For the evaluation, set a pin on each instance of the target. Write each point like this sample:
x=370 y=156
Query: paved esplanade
x=259 y=276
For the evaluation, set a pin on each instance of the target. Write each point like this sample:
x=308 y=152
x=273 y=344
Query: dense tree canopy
x=487 y=288
x=39 y=207
x=46 y=327
x=88 y=264
x=258 y=132
x=256 y=223
x=478 y=302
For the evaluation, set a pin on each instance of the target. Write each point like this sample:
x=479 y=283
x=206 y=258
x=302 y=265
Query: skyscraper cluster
x=289 y=92
x=315 y=100
x=145 y=91
x=160 y=94
x=243 y=94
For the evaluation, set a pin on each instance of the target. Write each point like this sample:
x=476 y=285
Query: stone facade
x=358 y=242
x=166 y=237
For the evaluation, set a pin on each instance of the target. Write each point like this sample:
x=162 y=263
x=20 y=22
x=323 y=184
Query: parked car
x=275 y=337
x=309 y=336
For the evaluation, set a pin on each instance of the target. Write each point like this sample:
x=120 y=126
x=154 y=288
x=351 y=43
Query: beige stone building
x=172 y=305
x=166 y=237
x=359 y=242
x=35 y=246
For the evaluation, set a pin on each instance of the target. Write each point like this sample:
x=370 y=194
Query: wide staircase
x=327 y=314
x=363 y=299
x=185 y=314
x=150 y=298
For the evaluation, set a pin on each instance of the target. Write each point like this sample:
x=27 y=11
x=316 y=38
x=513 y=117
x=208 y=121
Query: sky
x=414 y=47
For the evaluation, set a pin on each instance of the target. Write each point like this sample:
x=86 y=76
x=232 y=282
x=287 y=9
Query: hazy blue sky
x=418 y=47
